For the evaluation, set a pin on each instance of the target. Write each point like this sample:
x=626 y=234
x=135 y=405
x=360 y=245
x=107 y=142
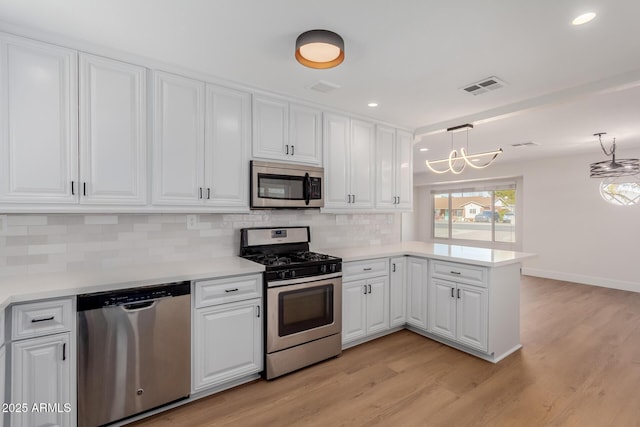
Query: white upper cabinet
x=286 y=131
x=178 y=140
x=113 y=137
x=349 y=163
x=201 y=142
x=38 y=122
x=394 y=172
x=227 y=136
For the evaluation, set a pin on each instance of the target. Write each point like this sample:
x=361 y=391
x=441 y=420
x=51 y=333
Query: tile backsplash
x=34 y=244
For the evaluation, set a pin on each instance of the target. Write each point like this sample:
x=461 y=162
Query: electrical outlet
x=192 y=222
x=3 y=223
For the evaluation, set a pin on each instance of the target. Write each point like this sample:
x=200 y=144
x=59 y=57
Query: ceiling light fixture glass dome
x=319 y=49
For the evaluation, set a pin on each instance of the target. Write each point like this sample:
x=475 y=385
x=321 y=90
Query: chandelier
x=613 y=168
x=459 y=159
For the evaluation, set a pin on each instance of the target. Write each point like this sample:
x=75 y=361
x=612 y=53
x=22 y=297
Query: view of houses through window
x=485 y=215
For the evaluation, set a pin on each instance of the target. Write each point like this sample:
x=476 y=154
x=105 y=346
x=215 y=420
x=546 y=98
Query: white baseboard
x=585 y=280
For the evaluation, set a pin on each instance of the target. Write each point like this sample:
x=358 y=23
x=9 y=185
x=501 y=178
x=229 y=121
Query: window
x=485 y=214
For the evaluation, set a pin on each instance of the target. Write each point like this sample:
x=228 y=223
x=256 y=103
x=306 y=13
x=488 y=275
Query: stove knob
x=333 y=268
x=293 y=273
x=323 y=268
x=282 y=274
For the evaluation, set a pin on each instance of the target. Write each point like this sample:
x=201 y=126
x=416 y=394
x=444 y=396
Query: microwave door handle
x=307 y=189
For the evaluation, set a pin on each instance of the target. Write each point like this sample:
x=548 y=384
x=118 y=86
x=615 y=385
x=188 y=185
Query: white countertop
x=52 y=285
x=464 y=254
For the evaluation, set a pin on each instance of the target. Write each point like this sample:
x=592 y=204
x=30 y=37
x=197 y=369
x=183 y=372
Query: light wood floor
x=580 y=366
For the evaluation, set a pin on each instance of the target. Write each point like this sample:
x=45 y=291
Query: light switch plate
x=192 y=222
x=3 y=223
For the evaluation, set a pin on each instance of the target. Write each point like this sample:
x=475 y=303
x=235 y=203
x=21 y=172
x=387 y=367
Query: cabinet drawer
x=229 y=289
x=460 y=273
x=364 y=269
x=41 y=318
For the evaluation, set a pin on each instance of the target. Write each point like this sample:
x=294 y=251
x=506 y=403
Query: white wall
x=576 y=234
x=35 y=244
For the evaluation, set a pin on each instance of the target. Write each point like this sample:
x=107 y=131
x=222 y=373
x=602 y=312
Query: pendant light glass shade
x=319 y=49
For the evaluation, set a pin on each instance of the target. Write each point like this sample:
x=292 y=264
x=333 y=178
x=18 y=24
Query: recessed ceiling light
x=372 y=104
x=584 y=18
x=424 y=149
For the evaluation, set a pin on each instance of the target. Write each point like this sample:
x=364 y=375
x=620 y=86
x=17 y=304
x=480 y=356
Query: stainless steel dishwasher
x=134 y=351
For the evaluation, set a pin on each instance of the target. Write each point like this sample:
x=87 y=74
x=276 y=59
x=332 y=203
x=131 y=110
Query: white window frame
x=479 y=185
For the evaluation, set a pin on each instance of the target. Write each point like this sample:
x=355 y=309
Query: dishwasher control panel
x=133 y=295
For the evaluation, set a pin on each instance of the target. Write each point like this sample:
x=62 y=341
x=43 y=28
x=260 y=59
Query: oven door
x=285 y=186
x=302 y=312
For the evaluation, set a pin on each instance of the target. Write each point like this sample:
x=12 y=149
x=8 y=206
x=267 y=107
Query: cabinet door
x=397 y=292
x=417 y=292
x=271 y=128
x=305 y=134
x=178 y=140
x=113 y=137
x=404 y=170
x=228 y=121
x=377 y=305
x=354 y=312
x=227 y=343
x=385 y=168
x=40 y=374
x=362 y=164
x=38 y=122
x=442 y=308
x=472 y=316
x=336 y=160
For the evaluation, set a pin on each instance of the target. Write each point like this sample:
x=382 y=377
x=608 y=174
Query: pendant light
x=613 y=168
x=319 y=49
x=458 y=160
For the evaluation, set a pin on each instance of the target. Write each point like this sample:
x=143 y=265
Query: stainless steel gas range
x=303 y=298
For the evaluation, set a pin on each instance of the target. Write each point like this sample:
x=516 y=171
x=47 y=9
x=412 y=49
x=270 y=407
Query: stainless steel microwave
x=286 y=186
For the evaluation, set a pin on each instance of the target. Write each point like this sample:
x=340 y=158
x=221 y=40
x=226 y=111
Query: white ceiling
x=411 y=56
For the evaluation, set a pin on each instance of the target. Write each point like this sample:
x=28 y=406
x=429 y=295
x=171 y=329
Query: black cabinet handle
x=452 y=295
x=293 y=150
x=354 y=198
x=84 y=188
x=393 y=265
x=398 y=200
x=369 y=288
x=287 y=149
x=258 y=311
x=208 y=193
x=64 y=351
x=200 y=193
x=458 y=293
x=367 y=269
x=365 y=289
x=231 y=290
x=348 y=198
x=454 y=272
x=42 y=319
x=73 y=191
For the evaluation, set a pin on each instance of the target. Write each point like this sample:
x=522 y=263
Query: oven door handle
x=276 y=283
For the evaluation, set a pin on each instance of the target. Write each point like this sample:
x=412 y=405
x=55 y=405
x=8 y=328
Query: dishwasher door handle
x=137 y=306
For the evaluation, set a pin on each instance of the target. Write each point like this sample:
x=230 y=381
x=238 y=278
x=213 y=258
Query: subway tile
x=14 y=220
x=46 y=249
x=46 y=268
x=27 y=259
x=47 y=230
x=100 y=219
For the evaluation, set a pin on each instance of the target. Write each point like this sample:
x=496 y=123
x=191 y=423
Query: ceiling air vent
x=324 y=86
x=525 y=144
x=484 y=85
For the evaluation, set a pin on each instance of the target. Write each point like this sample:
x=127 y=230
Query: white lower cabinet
x=227 y=343
x=227 y=333
x=397 y=292
x=459 y=312
x=417 y=278
x=365 y=308
x=41 y=381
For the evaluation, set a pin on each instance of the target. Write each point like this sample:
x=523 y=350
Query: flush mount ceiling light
x=613 y=168
x=319 y=49
x=458 y=160
x=584 y=18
